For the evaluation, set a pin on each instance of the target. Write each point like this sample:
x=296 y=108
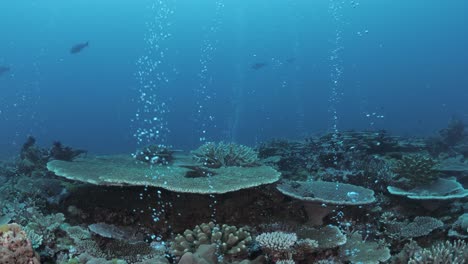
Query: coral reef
x=348 y=197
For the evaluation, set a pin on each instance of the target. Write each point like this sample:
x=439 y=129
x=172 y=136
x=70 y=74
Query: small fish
x=78 y=47
x=258 y=65
x=4 y=69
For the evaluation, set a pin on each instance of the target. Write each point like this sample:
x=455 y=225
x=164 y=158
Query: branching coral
x=222 y=154
x=415 y=170
x=283 y=247
x=277 y=245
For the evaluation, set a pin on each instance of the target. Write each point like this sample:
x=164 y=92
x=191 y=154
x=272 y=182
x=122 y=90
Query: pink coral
x=15 y=247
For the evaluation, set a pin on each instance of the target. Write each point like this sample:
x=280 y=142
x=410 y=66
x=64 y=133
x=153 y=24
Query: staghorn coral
x=415 y=170
x=15 y=246
x=443 y=253
x=231 y=240
x=222 y=154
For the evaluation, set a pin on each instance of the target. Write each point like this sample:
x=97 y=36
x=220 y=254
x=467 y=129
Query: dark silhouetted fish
x=4 y=70
x=78 y=47
x=291 y=60
x=258 y=65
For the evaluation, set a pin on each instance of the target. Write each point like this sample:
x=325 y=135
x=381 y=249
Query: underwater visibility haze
x=215 y=131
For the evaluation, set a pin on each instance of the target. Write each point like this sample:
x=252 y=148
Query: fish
x=4 y=69
x=258 y=65
x=78 y=47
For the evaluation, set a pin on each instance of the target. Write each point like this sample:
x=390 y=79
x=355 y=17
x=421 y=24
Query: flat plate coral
x=123 y=170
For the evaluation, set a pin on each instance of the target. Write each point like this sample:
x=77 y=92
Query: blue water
x=404 y=69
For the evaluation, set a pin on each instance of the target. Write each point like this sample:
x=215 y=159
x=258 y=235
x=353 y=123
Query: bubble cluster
x=204 y=92
x=335 y=8
x=150 y=118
